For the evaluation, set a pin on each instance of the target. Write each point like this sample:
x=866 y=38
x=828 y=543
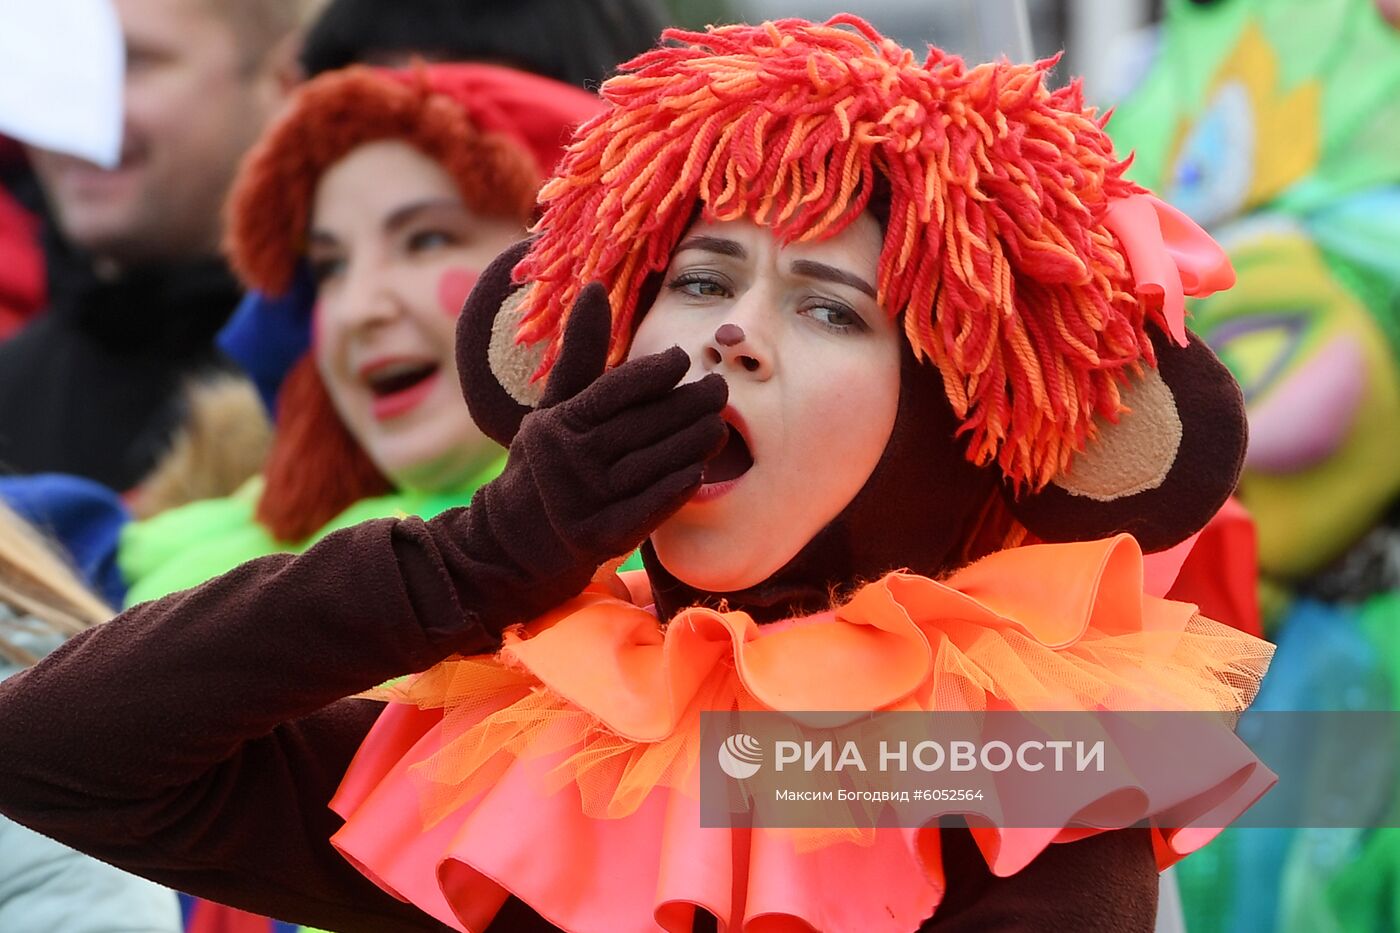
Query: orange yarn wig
x=995 y=251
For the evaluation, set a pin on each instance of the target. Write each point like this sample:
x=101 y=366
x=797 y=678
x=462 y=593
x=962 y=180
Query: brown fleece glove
x=603 y=460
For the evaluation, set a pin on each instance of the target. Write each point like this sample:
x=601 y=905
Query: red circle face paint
x=453 y=289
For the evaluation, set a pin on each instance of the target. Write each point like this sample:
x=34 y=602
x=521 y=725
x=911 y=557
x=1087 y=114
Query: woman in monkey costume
x=857 y=331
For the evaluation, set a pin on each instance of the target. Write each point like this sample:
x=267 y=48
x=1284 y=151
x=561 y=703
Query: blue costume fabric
x=267 y=335
x=84 y=517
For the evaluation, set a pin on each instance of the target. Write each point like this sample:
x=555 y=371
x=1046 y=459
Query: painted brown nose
x=729 y=335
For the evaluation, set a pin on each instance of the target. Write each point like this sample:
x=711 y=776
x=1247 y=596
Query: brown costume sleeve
x=1104 y=884
x=197 y=739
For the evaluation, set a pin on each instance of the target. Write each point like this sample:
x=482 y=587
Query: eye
x=324 y=268
x=1257 y=350
x=700 y=285
x=1214 y=171
x=835 y=316
x=141 y=58
x=424 y=241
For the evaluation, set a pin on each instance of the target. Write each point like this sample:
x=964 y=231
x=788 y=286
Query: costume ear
x=1163 y=469
x=495 y=370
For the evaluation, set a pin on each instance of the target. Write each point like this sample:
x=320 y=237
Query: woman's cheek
x=453 y=288
x=316 y=324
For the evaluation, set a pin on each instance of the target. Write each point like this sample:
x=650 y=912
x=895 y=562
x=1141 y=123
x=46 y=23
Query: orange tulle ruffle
x=564 y=769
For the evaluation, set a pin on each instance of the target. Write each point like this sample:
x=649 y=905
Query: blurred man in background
x=91 y=386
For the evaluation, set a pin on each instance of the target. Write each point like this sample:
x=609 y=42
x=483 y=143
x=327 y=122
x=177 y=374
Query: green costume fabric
x=194 y=543
x=1290 y=103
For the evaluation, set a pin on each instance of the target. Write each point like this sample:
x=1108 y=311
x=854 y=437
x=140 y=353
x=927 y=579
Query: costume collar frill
x=563 y=770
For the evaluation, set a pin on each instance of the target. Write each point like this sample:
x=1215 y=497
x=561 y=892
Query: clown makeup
x=813 y=389
x=453 y=289
x=391 y=245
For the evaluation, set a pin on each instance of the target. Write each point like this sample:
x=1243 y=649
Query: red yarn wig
x=315 y=468
x=995 y=251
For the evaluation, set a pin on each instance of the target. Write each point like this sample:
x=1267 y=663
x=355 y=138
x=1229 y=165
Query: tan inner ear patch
x=1134 y=455
x=513 y=363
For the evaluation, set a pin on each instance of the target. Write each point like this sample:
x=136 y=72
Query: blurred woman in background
x=390 y=191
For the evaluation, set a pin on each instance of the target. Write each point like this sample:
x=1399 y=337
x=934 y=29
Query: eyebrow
x=714 y=244
x=803 y=267
x=825 y=273
x=401 y=216
x=397 y=218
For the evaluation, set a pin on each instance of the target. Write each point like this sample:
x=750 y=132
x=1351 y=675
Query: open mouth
x=400 y=386
x=399 y=377
x=732 y=462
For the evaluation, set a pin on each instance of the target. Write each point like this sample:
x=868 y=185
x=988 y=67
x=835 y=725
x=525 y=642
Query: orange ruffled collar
x=563 y=770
